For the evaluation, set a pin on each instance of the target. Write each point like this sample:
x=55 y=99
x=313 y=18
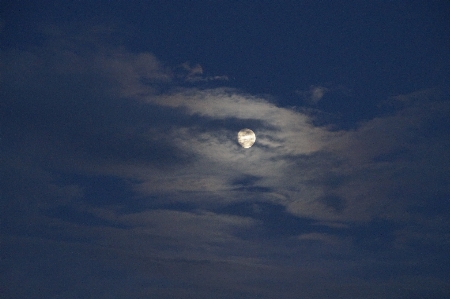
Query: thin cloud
x=314 y=94
x=194 y=73
x=292 y=157
x=113 y=113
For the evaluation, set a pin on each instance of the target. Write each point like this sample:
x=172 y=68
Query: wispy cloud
x=189 y=185
x=194 y=73
x=314 y=94
x=294 y=159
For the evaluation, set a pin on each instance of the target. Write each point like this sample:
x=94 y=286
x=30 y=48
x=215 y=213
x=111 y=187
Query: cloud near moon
x=176 y=193
x=296 y=159
x=246 y=138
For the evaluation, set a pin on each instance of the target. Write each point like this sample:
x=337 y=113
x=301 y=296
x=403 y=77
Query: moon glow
x=246 y=138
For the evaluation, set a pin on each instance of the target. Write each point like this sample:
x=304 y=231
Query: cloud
x=314 y=172
x=314 y=94
x=194 y=73
x=180 y=191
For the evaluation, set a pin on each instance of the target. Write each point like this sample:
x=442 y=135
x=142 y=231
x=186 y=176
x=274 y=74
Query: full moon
x=246 y=138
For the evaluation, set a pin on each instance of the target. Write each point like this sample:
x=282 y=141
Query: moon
x=246 y=138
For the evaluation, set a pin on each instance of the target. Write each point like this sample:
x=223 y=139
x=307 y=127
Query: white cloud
x=314 y=94
x=181 y=151
x=194 y=73
x=292 y=158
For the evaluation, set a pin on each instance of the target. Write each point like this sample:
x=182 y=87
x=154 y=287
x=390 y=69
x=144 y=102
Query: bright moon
x=246 y=138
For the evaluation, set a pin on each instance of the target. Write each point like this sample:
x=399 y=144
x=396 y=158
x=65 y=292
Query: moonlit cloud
x=292 y=158
x=314 y=94
x=187 y=188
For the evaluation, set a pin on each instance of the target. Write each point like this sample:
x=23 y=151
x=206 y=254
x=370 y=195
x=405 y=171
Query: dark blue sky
x=121 y=174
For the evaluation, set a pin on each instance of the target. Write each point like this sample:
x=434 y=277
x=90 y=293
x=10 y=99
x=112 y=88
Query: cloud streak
x=293 y=158
x=190 y=193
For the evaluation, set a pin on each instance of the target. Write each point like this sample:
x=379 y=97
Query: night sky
x=121 y=175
